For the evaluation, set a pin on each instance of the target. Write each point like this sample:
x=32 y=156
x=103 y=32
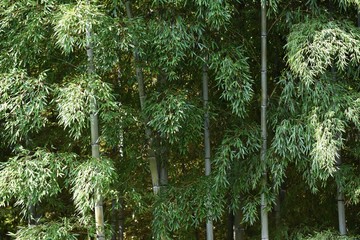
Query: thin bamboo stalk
x=264 y=213
x=339 y=191
x=94 y=126
x=205 y=78
x=154 y=169
x=341 y=204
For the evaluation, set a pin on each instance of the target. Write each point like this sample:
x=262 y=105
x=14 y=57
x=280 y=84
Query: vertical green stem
x=94 y=126
x=341 y=204
x=205 y=78
x=339 y=192
x=154 y=170
x=264 y=213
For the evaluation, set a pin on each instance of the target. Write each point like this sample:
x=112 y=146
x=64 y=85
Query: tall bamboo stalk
x=205 y=80
x=341 y=204
x=339 y=192
x=94 y=126
x=154 y=170
x=264 y=213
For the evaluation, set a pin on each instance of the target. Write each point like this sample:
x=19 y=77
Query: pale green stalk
x=205 y=78
x=95 y=148
x=148 y=134
x=264 y=213
x=341 y=204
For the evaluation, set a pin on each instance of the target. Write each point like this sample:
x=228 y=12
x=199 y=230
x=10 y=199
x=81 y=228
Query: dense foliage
x=147 y=61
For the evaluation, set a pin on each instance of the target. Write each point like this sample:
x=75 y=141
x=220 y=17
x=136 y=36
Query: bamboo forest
x=179 y=119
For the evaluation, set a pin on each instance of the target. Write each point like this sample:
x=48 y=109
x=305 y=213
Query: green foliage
x=31 y=177
x=315 y=45
x=24 y=101
x=347 y=178
x=74 y=102
x=238 y=154
x=352 y=113
x=314 y=114
x=24 y=32
x=327 y=143
x=236 y=146
x=48 y=231
x=70 y=24
x=349 y=3
x=172 y=38
x=323 y=235
x=250 y=209
x=89 y=181
x=115 y=121
x=309 y=124
x=232 y=74
x=175 y=117
x=184 y=207
x=216 y=14
x=272 y=5
x=296 y=135
x=170 y=43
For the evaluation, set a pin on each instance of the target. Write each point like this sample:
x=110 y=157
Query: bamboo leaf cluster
x=88 y=180
x=52 y=230
x=30 y=177
x=314 y=46
x=24 y=103
x=233 y=77
x=175 y=117
x=70 y=25
x=73 y=101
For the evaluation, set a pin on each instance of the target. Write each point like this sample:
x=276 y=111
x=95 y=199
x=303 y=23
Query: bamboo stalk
x=154 y=170
x=205 y=78
x=264 y=213
x=94 y=127
x=341 y=204
x=339 y=192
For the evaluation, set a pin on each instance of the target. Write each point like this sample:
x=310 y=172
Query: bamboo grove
x=179 y=119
